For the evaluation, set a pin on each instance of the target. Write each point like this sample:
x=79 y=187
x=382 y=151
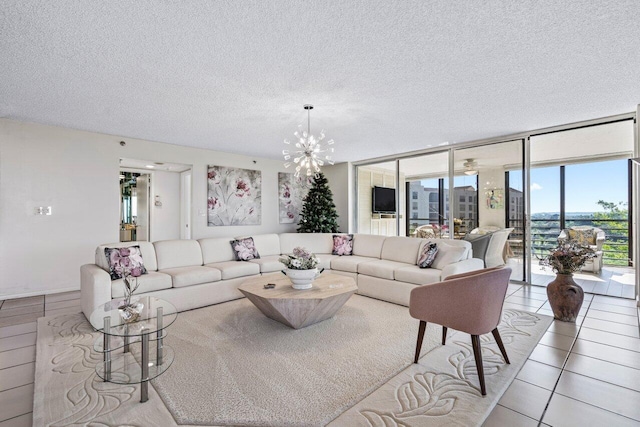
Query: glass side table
x=155 y=316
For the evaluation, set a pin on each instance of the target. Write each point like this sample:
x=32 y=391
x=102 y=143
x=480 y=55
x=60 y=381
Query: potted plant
x=301 y=268
x=565 y=295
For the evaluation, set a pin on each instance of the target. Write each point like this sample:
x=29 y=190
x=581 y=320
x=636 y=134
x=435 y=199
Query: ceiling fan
x=470 y=167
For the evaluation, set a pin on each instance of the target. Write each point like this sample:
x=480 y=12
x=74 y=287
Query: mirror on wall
x=155 y=200
x=134 y=206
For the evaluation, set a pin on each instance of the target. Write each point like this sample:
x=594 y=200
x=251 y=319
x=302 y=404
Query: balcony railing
x=545 y=232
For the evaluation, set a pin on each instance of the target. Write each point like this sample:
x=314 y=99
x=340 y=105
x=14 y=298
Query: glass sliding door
x=545 y=210
x=581 y=178
x=488 y=198
x=464 y=204
x=425 y=212
x=601 y=203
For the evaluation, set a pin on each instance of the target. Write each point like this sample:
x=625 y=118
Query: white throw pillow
x=448 y=255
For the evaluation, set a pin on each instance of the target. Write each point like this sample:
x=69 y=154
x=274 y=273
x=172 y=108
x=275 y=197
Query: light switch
x=43 y=210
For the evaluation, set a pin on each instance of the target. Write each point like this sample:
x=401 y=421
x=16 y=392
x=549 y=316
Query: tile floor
x=582 y=374
x=611 y=281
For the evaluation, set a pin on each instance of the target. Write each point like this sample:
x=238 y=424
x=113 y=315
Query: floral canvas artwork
x=233 y=196
x=291 y=194
x=495 y=198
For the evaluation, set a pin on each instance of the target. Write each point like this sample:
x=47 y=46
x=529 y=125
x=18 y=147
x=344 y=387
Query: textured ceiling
x=384 y=76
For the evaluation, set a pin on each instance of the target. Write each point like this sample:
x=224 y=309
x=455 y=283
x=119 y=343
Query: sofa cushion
x=233 y=269
x=216 y=250
x=448 y=255
x=368 y=245
x=244 y=249
x=449 y=242
x=193 y=275
x=401 y=249
x=146 y=249
x=416 y=275
x=178 y=253
x=152 y=281
x=584 y=236
x=349 y=263
x=342 y=244
x=382 y=268
x=267 y=244
x=269 y=264
x=317 y=243
x=124 y=262
x=428 y=255
x=325 y=260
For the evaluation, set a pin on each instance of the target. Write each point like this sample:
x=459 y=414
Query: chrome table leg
x=106 y=348
x=159 y=343
x=144 y=380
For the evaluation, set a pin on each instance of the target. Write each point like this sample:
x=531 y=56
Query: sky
x=585 y=184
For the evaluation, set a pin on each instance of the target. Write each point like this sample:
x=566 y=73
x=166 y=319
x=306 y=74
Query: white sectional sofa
x=197 y=273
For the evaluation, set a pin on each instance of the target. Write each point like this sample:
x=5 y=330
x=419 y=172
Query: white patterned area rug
x=233 y=366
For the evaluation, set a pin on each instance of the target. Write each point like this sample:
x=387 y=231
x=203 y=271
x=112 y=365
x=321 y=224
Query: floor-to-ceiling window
x=545 y=209
x=591 y=200
x=574 y=175
x=425 y=210
x=488 y=182
x=581 y=178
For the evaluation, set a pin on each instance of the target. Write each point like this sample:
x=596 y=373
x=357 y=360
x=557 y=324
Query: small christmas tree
x=319 y=212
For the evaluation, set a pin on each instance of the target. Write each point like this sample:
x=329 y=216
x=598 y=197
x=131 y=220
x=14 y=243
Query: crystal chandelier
x=309 y=153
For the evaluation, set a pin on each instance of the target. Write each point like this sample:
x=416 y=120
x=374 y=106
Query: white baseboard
x=38 y=293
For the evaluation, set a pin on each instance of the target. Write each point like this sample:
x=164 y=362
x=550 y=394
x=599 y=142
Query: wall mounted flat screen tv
x=384 y=200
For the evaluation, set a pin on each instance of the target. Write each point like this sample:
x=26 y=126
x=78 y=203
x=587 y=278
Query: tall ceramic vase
x=565 y=297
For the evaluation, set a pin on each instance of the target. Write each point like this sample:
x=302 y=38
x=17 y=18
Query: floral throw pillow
x=245 y=249
x=124 y=262
x=342 y=244
x=428 y=255
x=584 y=237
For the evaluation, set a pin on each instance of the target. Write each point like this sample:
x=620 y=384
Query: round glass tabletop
x=146 y=323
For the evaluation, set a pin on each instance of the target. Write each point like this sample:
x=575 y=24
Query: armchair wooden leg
x=477 y=352
x=498 y=338
x=444 y=335
x=423 y=326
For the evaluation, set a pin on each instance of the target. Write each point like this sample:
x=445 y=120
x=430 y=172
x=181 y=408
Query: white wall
x=73 y=171
x=165 y=219
x=340 y=180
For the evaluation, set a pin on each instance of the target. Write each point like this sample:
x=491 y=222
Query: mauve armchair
x=470 y=302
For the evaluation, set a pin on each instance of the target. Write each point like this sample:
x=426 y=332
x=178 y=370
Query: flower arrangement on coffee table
x=302 y=259
x=301 y=267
